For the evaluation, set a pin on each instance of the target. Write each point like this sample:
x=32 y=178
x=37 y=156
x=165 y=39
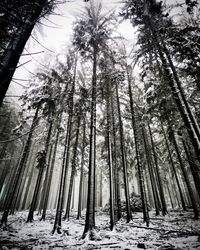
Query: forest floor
x=175 y=231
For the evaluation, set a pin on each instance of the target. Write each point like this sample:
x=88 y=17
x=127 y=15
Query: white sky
x=56 y=38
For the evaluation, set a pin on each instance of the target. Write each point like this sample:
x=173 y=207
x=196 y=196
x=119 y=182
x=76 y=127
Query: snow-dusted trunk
x=81 y=174
x=160 y=185
x=12 y=53
x=185 y=175
x=73 y=170
x=90 y=212
x=124 y=161
x=20 y=169
x=174 y=169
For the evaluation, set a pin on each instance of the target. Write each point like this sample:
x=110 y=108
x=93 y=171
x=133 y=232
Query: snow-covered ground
x=174 y=231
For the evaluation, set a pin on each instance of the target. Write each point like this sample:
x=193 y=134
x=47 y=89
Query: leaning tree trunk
x=12 y=53
x=81 y=174
x=40 y=174
x=19 y=171
x=188 y=118
x=90 y=213
x=137 y=143
x=110 y=160
x=174 y=169
x=124 y=162
x=185 y=175
x=73 y=170
x=162 y=197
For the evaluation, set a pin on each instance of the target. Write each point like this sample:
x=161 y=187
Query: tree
x=91 y=31
x=11 y=55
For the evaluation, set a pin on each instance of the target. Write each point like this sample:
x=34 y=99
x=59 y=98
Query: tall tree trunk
x=57 y=223
x=90 y=213
x=137 y=142
x=11 y=55
x=19 y=171
x=110 y=160
x=82 y=166
x=48 y=184
x=174 y=169
x=115 y=161
x=40 y=174
x=162 y=197
x=191 y=194
x=152 y=177
x=124 y=162
x=73 y=170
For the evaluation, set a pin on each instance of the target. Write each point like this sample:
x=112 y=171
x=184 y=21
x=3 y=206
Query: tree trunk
x=10 y=58
x=20 y=169
x=116 y=165
x=81 y=174
x=124 y=162
x=174 y=169
x=90 y=213
x=137 y=141
x=57 y=223
x=40 y=174
x=48 y=185
x=152 y=177
x=162 y=197
x=73 y=170
x=194 y=168
x=110 y=160
x=191 y=194
x=179 y=98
